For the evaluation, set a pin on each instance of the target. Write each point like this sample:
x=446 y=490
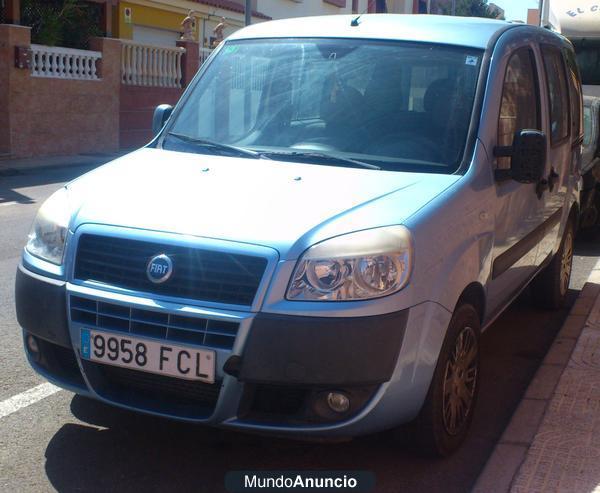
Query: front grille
x=160 y=325
x=197 y=274
x=143 y=390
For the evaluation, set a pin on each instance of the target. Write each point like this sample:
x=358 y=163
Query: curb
x=511 y=450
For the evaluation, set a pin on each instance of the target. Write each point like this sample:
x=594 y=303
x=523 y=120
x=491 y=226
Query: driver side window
x=519 y=108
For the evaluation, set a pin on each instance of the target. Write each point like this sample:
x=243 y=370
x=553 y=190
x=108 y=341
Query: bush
x=69 y=23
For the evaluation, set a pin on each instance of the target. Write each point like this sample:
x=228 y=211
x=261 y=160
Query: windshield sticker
x=231 y=49
x=471 y=60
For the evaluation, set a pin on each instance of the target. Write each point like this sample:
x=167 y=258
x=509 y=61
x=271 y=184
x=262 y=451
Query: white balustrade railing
x=64 y=63
x=204 y=54
x=146 y=65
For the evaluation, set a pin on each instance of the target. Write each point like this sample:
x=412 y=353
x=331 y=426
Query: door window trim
x=536 y=81
x=571 y=63
x=556 y=50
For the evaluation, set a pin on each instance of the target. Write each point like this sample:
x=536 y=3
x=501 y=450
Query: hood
x=282 y=205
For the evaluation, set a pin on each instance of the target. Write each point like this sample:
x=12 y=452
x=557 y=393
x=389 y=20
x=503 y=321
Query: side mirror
x=528 y=157
x=161 y=115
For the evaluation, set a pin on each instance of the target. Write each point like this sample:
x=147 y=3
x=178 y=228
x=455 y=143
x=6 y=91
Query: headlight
x=49 y=231
x=356 y=266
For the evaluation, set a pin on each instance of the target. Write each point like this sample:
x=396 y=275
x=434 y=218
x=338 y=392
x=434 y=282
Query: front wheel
x=446 y=415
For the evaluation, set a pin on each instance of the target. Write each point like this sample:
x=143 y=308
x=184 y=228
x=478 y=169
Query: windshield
x=588 y=59
x=396 y=106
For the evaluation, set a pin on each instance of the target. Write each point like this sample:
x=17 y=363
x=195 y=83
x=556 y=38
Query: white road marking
x=24 y=399
x=4 y=204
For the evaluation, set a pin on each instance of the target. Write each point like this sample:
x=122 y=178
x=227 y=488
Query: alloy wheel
x=460 y=381
x=566 y=262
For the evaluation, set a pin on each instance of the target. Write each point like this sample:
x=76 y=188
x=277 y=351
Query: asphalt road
x=68 y=443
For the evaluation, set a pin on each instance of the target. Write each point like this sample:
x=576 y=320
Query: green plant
x=61 y=22
x=468 y=8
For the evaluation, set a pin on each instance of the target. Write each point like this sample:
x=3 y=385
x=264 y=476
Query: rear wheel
x=446 y=416
x=550 y=287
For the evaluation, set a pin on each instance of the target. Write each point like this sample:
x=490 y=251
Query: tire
x=550 y=287
x=436 y=432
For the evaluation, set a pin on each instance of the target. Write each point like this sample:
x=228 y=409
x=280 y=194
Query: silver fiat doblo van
x=320 y=231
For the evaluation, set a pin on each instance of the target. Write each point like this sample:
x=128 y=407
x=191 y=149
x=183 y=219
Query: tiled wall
x=42 y=116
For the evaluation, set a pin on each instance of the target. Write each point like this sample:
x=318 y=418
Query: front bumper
x=272 y=379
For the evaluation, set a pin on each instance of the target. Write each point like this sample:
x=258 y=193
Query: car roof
x=473 y=32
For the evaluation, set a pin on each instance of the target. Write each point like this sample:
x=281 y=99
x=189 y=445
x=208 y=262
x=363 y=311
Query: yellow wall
x=144 y=15
x=168 y=15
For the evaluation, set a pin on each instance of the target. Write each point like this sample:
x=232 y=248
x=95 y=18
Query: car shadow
x=117 y=450
x=111 y=449
x=12 y=180
x=10 y=195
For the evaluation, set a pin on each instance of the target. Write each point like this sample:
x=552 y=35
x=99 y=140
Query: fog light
x=338 y=402
x=33 y=345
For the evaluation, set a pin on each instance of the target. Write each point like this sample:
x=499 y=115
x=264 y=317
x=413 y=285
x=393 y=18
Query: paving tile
x=563 y=404
x=558 y=460
x=591 y=289
x=500 y=469
x=575 y=406
x=582 y=306
x=560 y=352
x=586 y=354
x=572 y=327
x=543 y=383
x=524 y=422
x=565 y=453
x=594 y=316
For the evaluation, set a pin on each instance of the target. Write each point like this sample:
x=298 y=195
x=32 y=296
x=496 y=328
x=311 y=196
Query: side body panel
x=517 y=208
x=559 y=165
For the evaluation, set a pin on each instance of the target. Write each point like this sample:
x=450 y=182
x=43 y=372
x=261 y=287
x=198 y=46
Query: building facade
x=533 y=17
x=159 y=22
x=495 y=10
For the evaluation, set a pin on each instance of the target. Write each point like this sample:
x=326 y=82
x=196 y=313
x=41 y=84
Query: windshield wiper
x=217 y=145
x=354 y=163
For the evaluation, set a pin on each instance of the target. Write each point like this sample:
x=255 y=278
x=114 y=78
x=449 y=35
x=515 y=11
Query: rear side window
x=557 y=93
x=576 y=97
x=519 y=108
x=587 y=126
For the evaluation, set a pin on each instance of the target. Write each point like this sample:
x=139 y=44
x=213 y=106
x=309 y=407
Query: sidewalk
x=10 y=166
x=552 y=443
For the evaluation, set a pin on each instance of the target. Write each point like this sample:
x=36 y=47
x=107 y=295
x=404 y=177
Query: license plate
x=146 y=355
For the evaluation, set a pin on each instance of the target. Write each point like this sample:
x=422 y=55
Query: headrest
x=384 y=90
x=439 y=92
x=340 y=102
